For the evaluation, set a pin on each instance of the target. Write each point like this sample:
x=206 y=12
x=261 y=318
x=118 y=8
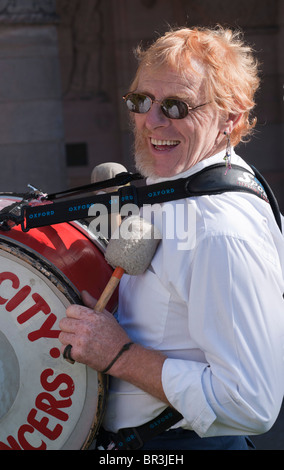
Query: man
x=207 y=318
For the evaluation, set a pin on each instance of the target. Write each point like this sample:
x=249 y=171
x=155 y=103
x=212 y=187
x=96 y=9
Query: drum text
x=39 y=305
x=44 y=421
x=47 y=403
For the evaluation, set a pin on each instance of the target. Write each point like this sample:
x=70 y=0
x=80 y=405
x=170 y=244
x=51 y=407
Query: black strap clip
x=134 y=438
x=128 y=439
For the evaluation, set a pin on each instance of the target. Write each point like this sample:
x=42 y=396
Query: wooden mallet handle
x=109 y=289
x=133 y=252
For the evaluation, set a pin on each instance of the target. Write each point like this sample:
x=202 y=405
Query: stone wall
x=96 y=39
x=31 y=121
x=65 y=65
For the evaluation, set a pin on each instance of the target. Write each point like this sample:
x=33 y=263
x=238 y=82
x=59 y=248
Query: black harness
x=72 y=205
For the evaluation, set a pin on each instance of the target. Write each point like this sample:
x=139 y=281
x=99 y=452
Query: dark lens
x=174 y=109
x=138 y=103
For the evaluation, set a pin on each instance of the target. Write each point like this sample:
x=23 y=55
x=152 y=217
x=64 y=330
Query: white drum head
x=45 y=402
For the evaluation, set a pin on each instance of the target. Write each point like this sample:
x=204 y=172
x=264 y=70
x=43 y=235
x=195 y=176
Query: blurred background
x=65 y=64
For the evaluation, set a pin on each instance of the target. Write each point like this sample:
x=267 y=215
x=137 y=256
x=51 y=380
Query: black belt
x=134 y=438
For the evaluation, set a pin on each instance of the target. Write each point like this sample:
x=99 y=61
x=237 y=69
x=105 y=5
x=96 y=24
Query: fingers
x=77 y=311
x=94 y=336
x=77 y=321
x=66 y=338
x=88 y=300
x=70 y=322
x=72 y=327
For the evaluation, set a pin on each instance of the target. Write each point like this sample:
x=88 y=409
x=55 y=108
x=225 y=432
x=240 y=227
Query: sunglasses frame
x=160 y=102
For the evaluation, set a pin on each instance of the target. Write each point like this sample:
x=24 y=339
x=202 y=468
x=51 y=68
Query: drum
x=45 y=402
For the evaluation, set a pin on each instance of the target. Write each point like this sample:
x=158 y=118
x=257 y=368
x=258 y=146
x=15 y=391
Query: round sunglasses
x=171 y=107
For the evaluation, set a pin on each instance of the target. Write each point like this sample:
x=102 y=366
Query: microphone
x=106 y=171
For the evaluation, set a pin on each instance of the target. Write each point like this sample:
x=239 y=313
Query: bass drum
x=45 y=402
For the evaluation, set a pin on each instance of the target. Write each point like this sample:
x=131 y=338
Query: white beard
x=143 y=161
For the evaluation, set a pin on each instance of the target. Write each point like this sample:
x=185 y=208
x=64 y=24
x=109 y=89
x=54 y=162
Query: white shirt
x=213 y=304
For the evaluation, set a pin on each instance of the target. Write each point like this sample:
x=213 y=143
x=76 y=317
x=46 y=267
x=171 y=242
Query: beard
x=144 y=162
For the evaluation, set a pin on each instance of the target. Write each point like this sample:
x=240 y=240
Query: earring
x=227 y=157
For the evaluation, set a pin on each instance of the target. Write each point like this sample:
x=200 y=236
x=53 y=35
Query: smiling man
x=168 y=146
x=202 y=330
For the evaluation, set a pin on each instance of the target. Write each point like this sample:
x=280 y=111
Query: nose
x=155 y=117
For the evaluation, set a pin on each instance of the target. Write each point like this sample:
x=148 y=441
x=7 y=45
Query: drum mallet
x=130 y=251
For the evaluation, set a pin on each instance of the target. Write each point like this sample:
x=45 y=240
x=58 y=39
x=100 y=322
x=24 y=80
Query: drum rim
x=80 y=224
x=35 y=255
x=72 y=296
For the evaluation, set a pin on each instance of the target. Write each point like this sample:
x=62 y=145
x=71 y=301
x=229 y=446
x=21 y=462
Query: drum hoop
x=103 y=382
x=81 y=225
x=100 y=243
x=46 y=268
x=73 y=297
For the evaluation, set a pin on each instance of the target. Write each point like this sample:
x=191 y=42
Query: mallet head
x=133 y=245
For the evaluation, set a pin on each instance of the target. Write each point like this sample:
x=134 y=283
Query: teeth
x=164 y=142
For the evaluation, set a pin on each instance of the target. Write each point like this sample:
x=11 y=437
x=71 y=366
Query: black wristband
x=125 y=347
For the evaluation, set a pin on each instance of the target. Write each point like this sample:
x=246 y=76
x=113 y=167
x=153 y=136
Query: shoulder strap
x=272 y=199
x=211 y=180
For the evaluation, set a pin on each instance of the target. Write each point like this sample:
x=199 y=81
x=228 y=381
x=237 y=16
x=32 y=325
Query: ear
x=232 y=121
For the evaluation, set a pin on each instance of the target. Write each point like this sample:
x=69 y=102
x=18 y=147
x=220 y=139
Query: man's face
x=166 y=147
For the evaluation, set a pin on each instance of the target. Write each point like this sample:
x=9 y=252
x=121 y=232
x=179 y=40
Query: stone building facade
x=31 y=121
x=66 y=64
x=96 y=40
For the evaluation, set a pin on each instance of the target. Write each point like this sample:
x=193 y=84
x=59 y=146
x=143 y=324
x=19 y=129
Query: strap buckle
x=129 y=439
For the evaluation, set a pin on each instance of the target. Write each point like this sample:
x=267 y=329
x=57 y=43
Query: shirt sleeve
x=236 y=317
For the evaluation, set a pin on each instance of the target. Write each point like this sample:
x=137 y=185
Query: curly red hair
x=232 y=69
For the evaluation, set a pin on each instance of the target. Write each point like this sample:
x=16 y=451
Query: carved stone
x=28 y=12
x=244 y=13
x=81 y=29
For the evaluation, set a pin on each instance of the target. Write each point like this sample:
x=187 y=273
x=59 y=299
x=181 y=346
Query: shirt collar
x=217 y=158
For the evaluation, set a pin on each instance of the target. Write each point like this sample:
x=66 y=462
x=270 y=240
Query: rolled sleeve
x=187 y=395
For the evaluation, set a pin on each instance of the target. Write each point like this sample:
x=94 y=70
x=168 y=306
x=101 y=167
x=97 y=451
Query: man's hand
x=96 y=337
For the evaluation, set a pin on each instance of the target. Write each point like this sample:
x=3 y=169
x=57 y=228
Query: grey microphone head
x=106 y=171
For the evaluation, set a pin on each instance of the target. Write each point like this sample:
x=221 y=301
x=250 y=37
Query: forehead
x=167 y=81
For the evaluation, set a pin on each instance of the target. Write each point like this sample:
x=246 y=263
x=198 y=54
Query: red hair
x=232 y=70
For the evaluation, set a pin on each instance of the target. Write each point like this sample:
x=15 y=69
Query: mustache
x=141 y=134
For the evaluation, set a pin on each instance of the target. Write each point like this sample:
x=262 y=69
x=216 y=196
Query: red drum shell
x=70 y=251
x=47 y=403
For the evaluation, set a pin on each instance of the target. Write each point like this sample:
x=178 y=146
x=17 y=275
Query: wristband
x=125 y=347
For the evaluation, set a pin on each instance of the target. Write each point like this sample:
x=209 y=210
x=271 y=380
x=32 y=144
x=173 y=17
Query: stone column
x=31 y=125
